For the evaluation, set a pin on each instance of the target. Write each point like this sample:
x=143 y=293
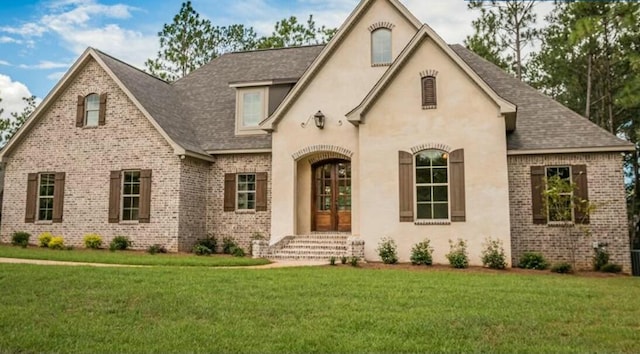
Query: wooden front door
x=332 y=196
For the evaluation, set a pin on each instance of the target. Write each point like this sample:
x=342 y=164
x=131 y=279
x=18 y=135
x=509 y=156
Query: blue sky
x=40 y=39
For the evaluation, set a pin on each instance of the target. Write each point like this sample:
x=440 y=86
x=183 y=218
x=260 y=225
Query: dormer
x=256 y=100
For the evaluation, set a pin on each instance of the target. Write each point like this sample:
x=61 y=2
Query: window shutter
x=80 y=112
x=144 y=215
x=230 y=192
x=114 y=197
x=261 y=191
x=405 y=180
x=537 y=195
x=103 y=109
x=457 y=186
x=429 y=98
x=579 y=177
x=58 y=197
x=32 y=198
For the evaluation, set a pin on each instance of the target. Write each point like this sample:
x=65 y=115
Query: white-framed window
x=246 y=191
x=130 y=195
x=432 y=185
x=251 y=108
x=46 y=187
x=381 y=46
x=562 y=209
x=91 y=110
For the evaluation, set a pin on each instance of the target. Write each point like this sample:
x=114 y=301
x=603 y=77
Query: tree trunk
x=587 y=110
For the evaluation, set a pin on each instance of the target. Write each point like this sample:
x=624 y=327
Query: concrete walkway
x=275 y=264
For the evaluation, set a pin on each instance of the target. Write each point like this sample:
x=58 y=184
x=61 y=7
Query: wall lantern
x=319 y=119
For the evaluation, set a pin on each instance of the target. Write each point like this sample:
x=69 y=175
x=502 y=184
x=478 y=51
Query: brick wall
x=608 y=222
x=87 y=155
x=237 y=224
x=193 y=202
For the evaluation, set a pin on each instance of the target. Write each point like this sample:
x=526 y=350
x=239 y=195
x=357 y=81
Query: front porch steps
x=314 y=247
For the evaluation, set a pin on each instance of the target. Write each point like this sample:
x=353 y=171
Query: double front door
x=332 y=196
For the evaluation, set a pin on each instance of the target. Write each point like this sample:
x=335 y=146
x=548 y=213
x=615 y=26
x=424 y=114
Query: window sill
x=247 y=211
x=375 y=65
x=129 y=222
x=432 y=222
x=429 y=107
x=44 y=222
x=90 y=127
x=560 y=223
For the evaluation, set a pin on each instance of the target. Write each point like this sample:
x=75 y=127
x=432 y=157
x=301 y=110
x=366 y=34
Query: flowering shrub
x=56 y=243
x=93 y=241
x=44 y=239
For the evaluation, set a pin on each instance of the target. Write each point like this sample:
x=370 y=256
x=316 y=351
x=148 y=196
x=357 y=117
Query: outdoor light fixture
x=318 y=118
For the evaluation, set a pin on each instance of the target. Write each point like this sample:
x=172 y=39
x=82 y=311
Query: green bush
x=228 y=244
x=561 y=268
x=354 y=261
x=388 y=251
x=20 y=238
x=156 y=248
x=120 y=243
x=57 y=243
x=343 y=259
x=44 y=239
x=600 y=258
x=237 y=252
x=201 y=250
x=422 y=253
x=332 y=260
x=457 y=255
x=92 y=241
x=493 y=254
x=533 y=260
x=210 y=242
x=611 y=268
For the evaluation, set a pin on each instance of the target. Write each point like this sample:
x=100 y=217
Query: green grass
x=127 y=257
x=326 y=309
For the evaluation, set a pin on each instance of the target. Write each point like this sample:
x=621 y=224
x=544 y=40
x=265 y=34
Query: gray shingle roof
x=212 y=102
x=543 y=123
x=159 y=99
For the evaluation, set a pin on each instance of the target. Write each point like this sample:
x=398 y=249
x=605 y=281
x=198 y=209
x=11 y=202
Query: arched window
x=91 y=110
x=432 y=184
x=381 y=46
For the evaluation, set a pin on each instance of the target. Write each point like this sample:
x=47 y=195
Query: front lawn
x=127 y=257
x=317 y=309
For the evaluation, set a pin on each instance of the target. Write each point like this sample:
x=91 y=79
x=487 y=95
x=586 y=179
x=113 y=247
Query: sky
x=40 y=39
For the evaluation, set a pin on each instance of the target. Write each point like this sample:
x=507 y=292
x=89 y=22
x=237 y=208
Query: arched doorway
x=331 y=196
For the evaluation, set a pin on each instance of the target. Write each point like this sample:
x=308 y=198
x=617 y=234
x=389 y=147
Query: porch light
x=319 y=119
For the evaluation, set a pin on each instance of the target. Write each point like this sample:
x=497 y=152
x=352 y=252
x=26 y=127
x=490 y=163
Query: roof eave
x=572 y=150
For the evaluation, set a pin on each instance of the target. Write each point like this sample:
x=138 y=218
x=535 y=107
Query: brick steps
x=315 y=246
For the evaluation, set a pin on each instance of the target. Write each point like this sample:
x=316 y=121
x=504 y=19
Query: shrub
x=343 y=259
x=20 y=238
x=561 y=268
x=493 y=254
x=600 y=258
x=44 y=239
x=156 y=248
x=533 y=260
x=457 y=255
x=332 y=260
x=57 y=243
x=422 y=253
x=354 y=261
x=120 y=243
x=201 y=250
x=210 y=242
x=228 y=244
x=237 y=252
x=611 y=268
x=92 y=241
x=388 y=251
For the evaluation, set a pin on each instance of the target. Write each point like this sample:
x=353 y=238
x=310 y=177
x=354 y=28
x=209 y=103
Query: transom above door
x=331 y=209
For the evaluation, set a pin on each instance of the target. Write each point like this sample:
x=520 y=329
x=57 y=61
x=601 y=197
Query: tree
x=289 y=32
x=9 y=126
x=502 y=31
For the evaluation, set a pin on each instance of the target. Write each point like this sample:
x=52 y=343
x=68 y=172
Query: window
x=381 y=46
x=429 y=97
x=560 y=210
x=91 y=110
x=46 y=190
x=130 y=195
x=246 y=191
x=432 y=184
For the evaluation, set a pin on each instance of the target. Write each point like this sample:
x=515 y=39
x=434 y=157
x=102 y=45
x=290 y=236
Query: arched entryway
x=331 y=196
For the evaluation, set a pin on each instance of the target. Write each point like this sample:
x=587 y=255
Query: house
x=386 y=131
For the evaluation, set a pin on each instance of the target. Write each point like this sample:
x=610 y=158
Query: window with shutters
x=432 y=185
x=46 y=189
x=381 y=47
x=246 y=191
x=130 y=195
x=429 y=97
x=562 y=209
x=91 y=110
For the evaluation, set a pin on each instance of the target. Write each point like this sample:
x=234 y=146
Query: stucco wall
x=194 y=179
x=241 y=225
x=465 y=118
x=87 y=155
x=608 y=223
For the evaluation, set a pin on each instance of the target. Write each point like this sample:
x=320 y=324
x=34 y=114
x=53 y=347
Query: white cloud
x=5 y=63
x=26 y=30
x=12 y=93
x=56 y=76
x=6 y=39
x=45 y=64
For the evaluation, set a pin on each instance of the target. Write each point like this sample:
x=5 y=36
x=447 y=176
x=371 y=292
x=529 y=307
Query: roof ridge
x=129 y=65
x=274 y=49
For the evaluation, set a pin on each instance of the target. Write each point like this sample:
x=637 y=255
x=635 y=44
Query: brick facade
x=608 y=223
x=194 y=178
x=241 y=225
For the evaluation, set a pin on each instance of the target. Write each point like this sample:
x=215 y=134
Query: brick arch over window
x=314 y=149
x=431 y=146
x=381 y=24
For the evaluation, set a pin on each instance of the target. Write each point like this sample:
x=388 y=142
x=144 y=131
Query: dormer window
x=91 y=110
x=381 y=47
x=251 y=109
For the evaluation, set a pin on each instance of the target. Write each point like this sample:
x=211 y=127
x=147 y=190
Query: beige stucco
x=338 y=87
